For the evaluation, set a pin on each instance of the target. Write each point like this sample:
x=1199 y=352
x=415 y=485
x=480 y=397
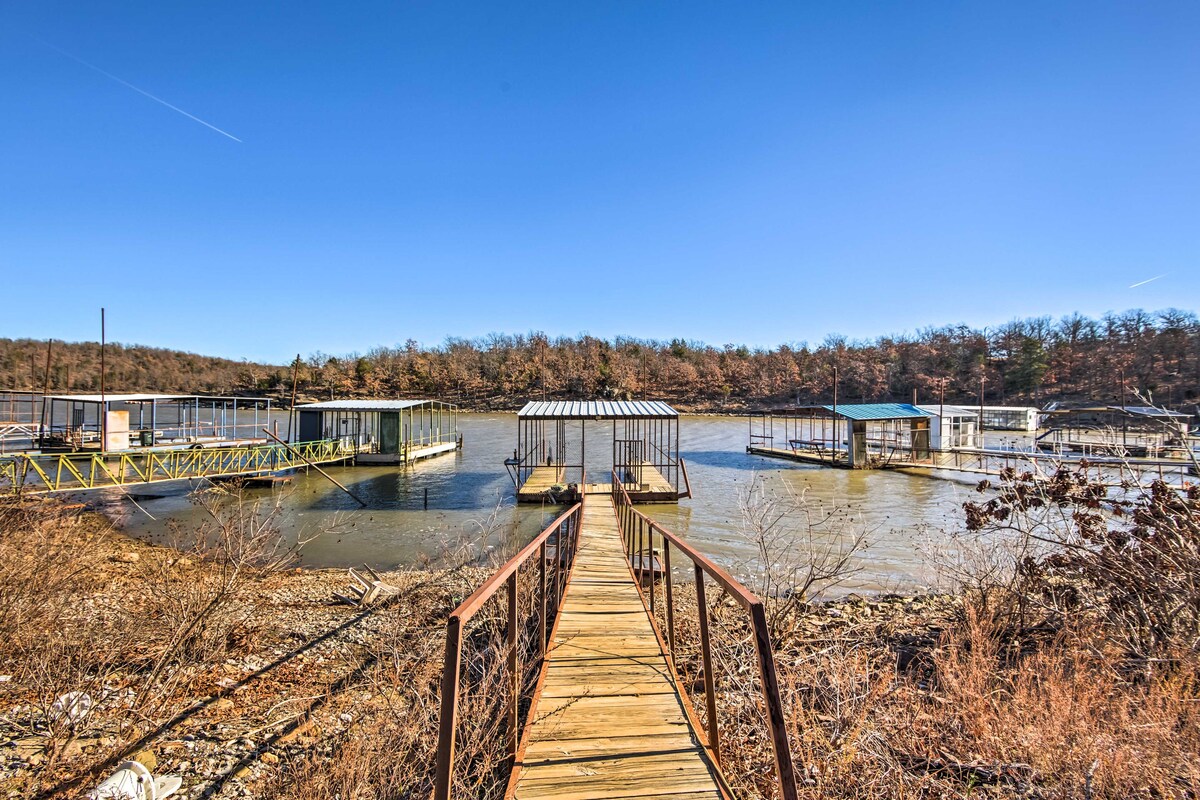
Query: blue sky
x=748 y=173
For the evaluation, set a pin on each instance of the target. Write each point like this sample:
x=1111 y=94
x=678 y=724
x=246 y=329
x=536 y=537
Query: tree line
x=1031 y=361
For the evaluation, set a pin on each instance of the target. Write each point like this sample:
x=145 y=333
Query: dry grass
x=197 y=645
x=969 y=715
x=925 y=699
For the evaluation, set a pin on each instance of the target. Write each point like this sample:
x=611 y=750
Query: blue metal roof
x=877 y=411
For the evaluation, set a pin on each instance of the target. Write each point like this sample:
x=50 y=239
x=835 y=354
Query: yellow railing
x=25 y=472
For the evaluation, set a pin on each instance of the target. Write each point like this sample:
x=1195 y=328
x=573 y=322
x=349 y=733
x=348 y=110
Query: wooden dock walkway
x=536 y=487
x=610 y=721
x=653 y=486
x=607 y=717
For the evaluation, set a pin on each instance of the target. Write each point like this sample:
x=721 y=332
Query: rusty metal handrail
x=554 y=586
x=637 y=534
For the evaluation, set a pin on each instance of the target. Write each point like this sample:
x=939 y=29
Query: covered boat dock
x=1122 y=431
x=850 y=436
x=382 y=431
x=117 y=422
x=549 y=461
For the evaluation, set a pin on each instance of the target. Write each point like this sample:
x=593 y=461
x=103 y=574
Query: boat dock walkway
x=643 y=481
x=609 y=717
x=38 y=473
x=1109 y=470
x=610 y=720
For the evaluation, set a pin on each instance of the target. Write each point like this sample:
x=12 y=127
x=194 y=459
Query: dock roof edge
x=371 y=405
x=597 y=409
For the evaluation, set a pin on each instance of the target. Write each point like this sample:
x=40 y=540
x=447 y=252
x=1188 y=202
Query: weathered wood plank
x=609 y=722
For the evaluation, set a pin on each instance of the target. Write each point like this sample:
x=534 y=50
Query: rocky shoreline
x=300 y=676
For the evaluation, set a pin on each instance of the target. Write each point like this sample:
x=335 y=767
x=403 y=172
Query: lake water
x=470 y=497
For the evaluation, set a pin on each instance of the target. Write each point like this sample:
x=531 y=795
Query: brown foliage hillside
x=1031 y=360
x=75 y=367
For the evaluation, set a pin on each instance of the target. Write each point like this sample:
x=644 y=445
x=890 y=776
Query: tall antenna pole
x=103 y=403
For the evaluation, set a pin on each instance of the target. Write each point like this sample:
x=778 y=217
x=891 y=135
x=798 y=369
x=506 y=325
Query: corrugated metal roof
x=369 y=405
x=1151 y=411
x=597 y=409
x=877 y=411
x=947 y=411
x=120 y=398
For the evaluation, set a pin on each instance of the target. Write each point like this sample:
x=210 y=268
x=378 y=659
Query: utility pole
x=292 y=407
x=45 y=391
x=982 y=381
x=103 y=403
x=836 y=441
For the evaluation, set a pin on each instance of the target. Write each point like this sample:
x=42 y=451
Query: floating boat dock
x=116 y=422
x=383 y=431
x=176 y=437
x=548 y=462
x=936 y=439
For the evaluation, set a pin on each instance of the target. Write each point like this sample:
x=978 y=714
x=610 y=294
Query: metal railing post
x=641 y=548
x=784 y=768
x=513 y=665
x=449 y=709
x=710 y=684
x=542 y=601
x=652 y=587
x=670 y=597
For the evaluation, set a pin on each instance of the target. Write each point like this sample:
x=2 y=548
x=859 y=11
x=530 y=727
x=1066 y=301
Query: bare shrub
x=201 y=589
x=64 y=642
x=1130 y=561
x=391 y=751
x=801 y=548
x=48 y=556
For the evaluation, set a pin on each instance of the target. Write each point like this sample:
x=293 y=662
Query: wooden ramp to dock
x=609 y=721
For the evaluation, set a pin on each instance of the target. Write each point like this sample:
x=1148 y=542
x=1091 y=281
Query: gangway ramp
x=610 y=721
x=36 y=473
x=608 y=717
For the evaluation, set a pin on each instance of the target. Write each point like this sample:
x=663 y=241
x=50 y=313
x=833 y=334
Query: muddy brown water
x=910 y=520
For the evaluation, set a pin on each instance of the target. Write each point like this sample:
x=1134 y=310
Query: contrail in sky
x=1148 y=280
x=131 y=86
